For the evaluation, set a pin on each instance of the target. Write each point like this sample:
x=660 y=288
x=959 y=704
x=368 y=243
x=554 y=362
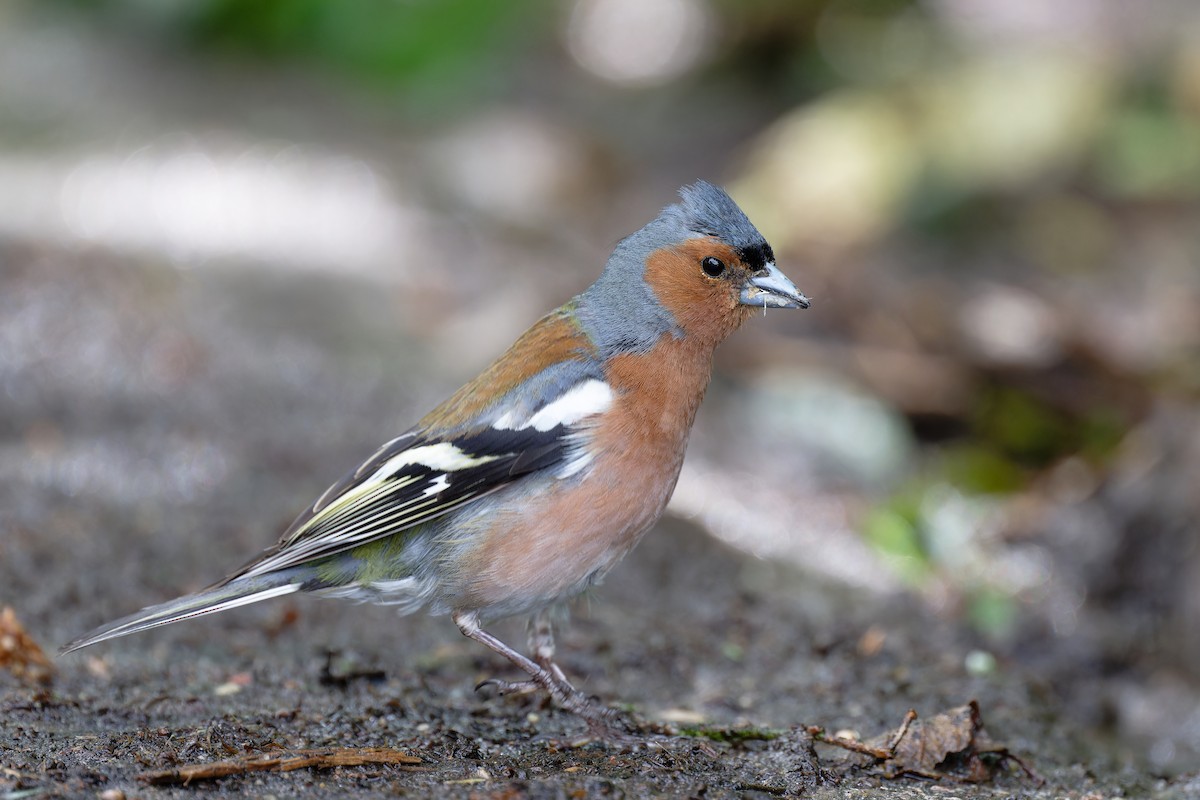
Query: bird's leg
x=541 y=644
x=549 y=677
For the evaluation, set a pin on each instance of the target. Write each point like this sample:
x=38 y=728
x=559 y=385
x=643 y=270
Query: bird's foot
x=605 y=724
x=561 y=692
x=590 y=709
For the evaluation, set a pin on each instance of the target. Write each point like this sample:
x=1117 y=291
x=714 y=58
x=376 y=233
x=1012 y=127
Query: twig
x=322 y=758
x=902 y=731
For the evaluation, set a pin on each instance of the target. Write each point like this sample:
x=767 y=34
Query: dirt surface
x=159 y=427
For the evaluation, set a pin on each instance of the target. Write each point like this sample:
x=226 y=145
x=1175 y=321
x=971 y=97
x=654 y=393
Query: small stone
x=980 y=663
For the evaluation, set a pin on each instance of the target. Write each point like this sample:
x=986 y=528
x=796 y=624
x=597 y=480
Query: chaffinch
x=533 y=480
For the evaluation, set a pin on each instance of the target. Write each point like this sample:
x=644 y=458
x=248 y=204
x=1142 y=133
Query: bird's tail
x=237 y=592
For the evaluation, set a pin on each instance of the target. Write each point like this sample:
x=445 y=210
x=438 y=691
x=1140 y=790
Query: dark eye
x=712 y=266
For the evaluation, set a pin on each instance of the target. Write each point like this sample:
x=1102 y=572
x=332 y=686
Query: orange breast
x=538 y=549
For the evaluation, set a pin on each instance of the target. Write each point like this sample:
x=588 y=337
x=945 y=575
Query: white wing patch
x=441 y=457
x=582 y=400
x=442 y=482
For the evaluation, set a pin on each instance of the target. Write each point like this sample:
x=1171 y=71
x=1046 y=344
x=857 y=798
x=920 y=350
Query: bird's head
x=700 y=268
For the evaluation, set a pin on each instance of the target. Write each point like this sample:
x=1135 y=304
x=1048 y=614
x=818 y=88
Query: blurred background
x=221 y=220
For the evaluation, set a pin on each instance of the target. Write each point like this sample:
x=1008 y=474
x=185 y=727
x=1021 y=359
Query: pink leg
x=543 y=673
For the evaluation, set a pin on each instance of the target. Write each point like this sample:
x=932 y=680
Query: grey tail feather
x=238 y=592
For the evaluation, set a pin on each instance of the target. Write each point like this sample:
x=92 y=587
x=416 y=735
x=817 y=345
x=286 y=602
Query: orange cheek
x=701 y=305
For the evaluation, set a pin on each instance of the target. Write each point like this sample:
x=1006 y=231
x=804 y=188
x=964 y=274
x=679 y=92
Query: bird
x=533 y=480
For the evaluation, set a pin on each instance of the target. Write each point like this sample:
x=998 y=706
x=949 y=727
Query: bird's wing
x=420 y=476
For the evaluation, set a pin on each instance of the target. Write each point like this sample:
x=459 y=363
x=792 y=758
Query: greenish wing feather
x=411 y=480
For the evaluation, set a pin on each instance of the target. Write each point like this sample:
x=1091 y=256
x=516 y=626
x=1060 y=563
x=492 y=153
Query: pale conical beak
x=772 y=290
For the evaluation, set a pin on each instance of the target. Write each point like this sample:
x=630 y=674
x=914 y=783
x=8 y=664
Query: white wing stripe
x=442 y=482
x=582 y=400
x=442 y=457
x=383 y=449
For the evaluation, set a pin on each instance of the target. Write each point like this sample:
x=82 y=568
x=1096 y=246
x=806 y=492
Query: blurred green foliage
x=921 y=529
x=376 y=39
x=923 y=545
x=1025 y=430
x=1149 y=150
x=434 y=53
x=992 y=611
x=893 y=529
x=976 y=467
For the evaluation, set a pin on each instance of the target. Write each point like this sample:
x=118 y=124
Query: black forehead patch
x=756 y=256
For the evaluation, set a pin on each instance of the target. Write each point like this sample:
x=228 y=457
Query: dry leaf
x=19 y=653
x=951 y=745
